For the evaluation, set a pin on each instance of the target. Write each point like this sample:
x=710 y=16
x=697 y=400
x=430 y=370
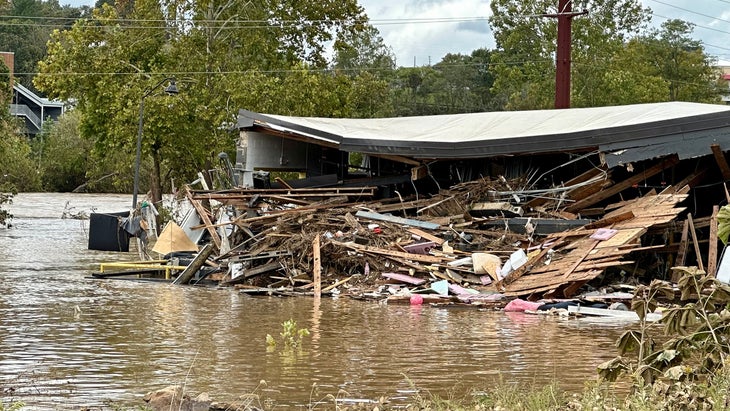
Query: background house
x=26 y=104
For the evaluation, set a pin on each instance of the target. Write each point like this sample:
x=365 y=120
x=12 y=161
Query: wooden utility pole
x=562 y=60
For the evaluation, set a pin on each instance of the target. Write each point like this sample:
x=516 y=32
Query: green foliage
x=526 y=45
x=291 y=335
x=698 y=330
x=230 y=61
x=506 y=396
x=63 y=154
x=28 y=28
x=457 y=84
x=670 y=58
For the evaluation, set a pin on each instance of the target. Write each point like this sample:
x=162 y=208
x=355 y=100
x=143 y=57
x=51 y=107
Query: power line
x=694 y=24
x=691 y=11
x=263 y=23
x=280 y=71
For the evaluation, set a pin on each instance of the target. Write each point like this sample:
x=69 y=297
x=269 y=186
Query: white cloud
x=412 y=38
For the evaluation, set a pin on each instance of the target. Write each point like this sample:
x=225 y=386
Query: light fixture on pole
x=170 y=89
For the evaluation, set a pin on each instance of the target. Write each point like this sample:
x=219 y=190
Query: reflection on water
x=67 y=340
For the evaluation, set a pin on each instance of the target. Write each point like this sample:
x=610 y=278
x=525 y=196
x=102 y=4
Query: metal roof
x=625 y=133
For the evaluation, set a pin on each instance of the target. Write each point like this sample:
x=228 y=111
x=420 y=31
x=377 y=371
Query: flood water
x=68 y=341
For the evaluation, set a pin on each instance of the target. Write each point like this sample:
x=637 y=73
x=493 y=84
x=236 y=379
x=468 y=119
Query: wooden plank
x=204 y=216
x=695 y=242
x=683 y=243
x=337 y=284
x=624 y=236
x=194 y=266
x=721 y=161
x=691 y=180
x=427 y=236
x=575 y=265
x=395 y=254
x=396 y=220
x=712 y=253
x=619 y=187
x=514 y=275
x=545 y=282
x=317 y=270
x=613 y=219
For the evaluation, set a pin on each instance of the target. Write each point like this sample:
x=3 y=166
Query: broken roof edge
x=478 y=143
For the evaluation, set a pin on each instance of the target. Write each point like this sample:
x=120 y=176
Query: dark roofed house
x=33 y=109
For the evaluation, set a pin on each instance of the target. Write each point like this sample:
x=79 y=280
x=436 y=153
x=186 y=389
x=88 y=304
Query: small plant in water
x=291 y=335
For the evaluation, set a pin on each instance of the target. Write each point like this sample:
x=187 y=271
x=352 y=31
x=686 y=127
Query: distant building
x=32 y=108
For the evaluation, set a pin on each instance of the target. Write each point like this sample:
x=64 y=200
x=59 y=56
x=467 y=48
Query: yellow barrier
x=148 y=264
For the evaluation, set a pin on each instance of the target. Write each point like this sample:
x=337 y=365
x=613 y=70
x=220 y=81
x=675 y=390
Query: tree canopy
x=314 y=59
x=225 y=55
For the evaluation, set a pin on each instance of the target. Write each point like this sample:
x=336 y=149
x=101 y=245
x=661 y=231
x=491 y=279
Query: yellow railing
x=147 y=264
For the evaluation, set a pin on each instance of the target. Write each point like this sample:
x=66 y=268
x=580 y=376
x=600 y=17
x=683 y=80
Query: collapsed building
x=527 y=203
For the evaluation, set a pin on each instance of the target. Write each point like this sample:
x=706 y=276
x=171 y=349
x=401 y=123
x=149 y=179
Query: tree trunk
x=155 y=185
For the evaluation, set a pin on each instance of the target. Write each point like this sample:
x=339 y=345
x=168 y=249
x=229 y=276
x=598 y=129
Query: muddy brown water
x=68 y=341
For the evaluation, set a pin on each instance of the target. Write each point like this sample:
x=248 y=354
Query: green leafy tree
x=672 y=55
x=526 y=44
x=365 y=50
x=225 y=55
x=26 y=30
x=64 y=155
x=17 y=170
x=457 y=84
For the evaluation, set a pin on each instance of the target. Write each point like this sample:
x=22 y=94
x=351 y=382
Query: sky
x=422 y=32
x=425 y=42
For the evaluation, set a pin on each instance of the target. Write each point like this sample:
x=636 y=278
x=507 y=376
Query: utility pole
x=562 y=60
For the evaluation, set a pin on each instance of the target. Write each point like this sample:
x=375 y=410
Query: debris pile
x=476 y=242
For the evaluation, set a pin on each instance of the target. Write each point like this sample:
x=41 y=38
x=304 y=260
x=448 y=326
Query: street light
x=170 y=89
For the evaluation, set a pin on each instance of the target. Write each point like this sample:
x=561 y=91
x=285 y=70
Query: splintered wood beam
x=623 y=216
x=683 y=243
x=691 y=180
x=397 y=255
x=712 y=253
x=194 y=266
x=317 y=270
x=721 y=161
x=204 y=216
x=696 y=244
x=619 y=187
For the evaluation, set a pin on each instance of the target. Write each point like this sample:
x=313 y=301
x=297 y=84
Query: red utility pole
x=562 y=59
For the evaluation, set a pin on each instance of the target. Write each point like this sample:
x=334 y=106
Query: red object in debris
x=416 y=299
x=377 y=230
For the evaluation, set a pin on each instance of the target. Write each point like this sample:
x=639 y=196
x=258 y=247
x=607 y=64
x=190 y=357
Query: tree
x=671 y=54
x=17 y=171
x=26 y=32
x=457 y=84
x=63 y=154
x=363 y=50
x=225 y=54
x=526 y=43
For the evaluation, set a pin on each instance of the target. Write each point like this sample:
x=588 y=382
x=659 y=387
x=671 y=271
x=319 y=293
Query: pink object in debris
x=603 y=234
x=518 y=305
x=416 y=299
